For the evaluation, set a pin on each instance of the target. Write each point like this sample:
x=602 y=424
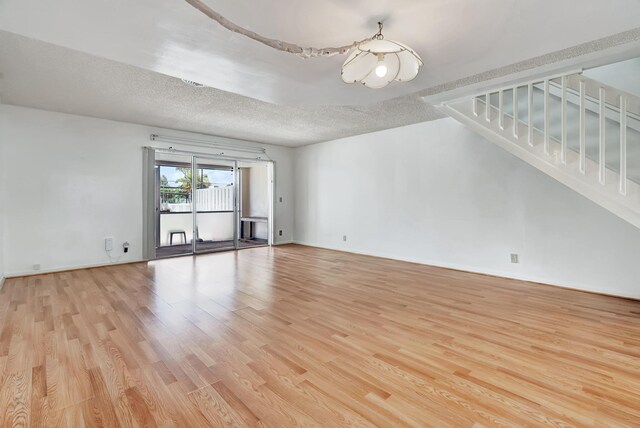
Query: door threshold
x=220 y=250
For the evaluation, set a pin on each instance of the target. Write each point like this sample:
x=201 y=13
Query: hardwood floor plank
x=292 y=336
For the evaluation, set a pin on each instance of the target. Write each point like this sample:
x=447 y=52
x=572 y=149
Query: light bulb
x=381 y=70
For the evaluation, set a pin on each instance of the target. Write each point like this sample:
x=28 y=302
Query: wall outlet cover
x=514 y=258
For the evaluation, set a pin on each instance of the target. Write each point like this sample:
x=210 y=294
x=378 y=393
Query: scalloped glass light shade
x=401 y=61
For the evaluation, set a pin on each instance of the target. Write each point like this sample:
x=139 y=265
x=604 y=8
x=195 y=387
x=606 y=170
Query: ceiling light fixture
x=377 y=62
x=374 y=62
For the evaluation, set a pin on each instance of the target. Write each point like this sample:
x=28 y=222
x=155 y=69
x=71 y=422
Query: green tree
x=202 y=180
x=169 y=194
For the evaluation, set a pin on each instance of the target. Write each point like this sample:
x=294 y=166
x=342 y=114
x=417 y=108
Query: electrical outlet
x=280 y=198
x=108 y=244
x=514 y=258
x=280 y=233
x=125 y=247
x=344 y=238
x=36 y=266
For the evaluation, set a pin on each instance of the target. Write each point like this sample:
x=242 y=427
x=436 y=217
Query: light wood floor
x=300 y=336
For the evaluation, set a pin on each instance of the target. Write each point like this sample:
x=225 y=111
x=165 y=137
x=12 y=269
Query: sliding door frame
x=151 y=215
x=236 y=211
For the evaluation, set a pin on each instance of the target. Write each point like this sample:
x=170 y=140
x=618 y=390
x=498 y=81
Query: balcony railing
x=214 y=216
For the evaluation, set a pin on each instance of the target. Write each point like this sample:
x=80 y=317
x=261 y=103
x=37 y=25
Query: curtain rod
x=221 y=155
x=209 y=144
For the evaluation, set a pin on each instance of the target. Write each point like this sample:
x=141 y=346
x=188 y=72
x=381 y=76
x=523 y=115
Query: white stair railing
x=565 y=84
x=559 y=132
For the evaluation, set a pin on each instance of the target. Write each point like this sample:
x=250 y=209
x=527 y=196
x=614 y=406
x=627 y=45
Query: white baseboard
x=471 y=269
x=284 y=242
x=72 y=267
x=464 y=268
x=91 y=265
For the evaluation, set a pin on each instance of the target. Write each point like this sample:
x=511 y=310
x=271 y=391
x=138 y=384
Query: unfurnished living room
x=319 y=213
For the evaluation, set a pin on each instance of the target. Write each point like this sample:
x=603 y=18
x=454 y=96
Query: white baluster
x=501 y=109
x=623 y=144
x=487 y=111
x=601 y=152
x=530 y=112
x=583 y=152
x=515 y=112
x=563 y=142
x=546 y=117
x=475 y=106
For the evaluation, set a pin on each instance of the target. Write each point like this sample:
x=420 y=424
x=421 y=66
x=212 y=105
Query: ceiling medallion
x=374 y=62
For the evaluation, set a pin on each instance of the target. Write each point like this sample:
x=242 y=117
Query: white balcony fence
x=215 y=216
x=211 y=227
x=211 y=199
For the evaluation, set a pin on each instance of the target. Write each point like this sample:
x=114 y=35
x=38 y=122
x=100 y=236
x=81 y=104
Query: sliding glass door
x=173 y=211
x=204 y=203
x=215 y=201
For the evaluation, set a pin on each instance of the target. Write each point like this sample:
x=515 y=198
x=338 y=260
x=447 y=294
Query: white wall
x=70 y=181
x=437 y=193
x=433 y=193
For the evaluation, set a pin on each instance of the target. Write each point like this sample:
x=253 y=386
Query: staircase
x=579 y=131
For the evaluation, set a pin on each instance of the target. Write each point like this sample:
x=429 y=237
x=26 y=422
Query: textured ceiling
x=45 y=76
x=456 y=38
x=123 y=70
x=40 y=75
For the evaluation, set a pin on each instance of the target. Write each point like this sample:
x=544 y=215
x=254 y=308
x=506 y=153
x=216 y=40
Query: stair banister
x=614 y=185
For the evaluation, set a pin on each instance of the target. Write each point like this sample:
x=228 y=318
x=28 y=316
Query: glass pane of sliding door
x=215 y=202
x=174 y=216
